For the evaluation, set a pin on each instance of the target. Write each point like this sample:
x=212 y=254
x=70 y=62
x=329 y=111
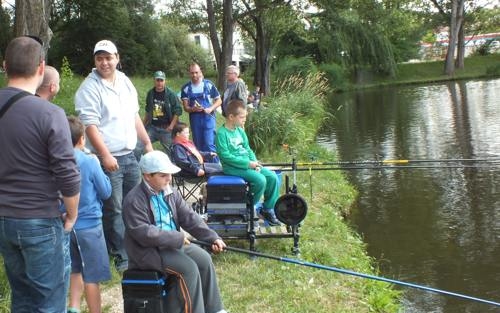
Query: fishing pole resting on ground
x=353 y=273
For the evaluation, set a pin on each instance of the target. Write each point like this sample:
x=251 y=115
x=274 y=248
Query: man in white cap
x=153 y=214
x=108 y=106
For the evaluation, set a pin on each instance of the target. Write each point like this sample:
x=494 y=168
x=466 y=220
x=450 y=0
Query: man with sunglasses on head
x=108 y=106
x=200 y=98
x=37 y=167
x=163 y=109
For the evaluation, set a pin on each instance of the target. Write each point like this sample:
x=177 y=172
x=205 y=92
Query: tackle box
x=226 y=189
x=144 y=292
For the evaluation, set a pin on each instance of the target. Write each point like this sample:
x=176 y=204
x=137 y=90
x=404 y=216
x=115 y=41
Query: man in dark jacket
x=163 y=109
x=153 y=214
x=37 y=169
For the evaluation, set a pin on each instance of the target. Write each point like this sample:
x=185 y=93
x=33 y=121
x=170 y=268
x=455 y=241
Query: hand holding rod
x=348 y=272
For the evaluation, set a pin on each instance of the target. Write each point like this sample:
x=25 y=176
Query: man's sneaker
x=269 y=217
x=121 y=265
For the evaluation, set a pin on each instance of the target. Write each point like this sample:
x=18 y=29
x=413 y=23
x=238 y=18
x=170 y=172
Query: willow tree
x=356 y=43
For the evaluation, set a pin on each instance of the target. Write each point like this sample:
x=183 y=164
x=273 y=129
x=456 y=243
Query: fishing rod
x=289 y=168
x=387 y=162
x=349 y=272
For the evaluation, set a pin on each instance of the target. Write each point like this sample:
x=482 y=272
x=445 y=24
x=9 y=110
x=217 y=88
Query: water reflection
x=439 y=227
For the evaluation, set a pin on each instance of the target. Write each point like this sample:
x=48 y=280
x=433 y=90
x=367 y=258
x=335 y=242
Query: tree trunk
x=227 y=42
x=449 y=66
x=459 y=62
x=212 y=30
x=456 y=21
x=32 y=18
x=262 y=57
x=223 y=51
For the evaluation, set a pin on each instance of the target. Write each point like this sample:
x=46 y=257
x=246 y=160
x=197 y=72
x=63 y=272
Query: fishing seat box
x=229 y=228
x=226 y=195
x=144 y=292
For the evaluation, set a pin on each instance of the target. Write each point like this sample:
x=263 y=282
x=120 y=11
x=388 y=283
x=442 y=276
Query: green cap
x=159 y=75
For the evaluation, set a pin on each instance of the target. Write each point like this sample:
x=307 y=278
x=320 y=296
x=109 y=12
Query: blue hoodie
x=95 y=187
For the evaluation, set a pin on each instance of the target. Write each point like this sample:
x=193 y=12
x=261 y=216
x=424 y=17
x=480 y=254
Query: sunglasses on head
x=36 y=38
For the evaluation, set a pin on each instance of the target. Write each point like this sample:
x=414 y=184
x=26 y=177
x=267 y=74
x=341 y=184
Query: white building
x=204 y=42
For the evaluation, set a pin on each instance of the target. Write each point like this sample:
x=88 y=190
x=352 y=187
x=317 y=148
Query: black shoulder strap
x=11 y=101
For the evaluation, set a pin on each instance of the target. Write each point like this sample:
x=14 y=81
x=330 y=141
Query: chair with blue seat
x=144 y=291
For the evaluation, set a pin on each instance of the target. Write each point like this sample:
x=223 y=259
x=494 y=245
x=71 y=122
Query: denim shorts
x=89 y=255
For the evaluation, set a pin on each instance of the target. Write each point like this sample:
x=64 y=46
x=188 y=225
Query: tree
x=80 y=24
x=351 y=35
x=456 y=19
x=456 y=12
x=223 y=49
x=32 y=18
x=266 y=21
x=6 y=29
x=259 y=19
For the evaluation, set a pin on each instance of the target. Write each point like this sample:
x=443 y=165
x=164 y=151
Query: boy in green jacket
x=238 y=159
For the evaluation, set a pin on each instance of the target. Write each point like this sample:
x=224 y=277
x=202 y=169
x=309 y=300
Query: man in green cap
x=163 y=109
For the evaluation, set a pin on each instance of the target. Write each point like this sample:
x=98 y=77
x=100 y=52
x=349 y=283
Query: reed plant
x=290 y=115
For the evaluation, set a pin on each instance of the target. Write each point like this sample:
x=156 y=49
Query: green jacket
x=233 y=148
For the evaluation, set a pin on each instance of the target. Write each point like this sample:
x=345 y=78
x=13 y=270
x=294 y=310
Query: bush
x=291 y=114
x=291 y=66
x=335 y=74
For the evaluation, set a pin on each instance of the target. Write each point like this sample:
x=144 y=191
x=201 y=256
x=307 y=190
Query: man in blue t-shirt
x=200 y=99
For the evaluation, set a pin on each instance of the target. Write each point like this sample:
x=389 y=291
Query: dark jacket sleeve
x=62 y=161
x=149 y=107
x=189 y=220
x=175 y=103
x=184 y=161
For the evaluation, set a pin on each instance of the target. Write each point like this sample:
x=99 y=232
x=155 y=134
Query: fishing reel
x=290 y=209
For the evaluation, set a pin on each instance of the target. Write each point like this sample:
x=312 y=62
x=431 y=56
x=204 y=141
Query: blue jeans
x=122 y=181
x=34 y=262
x=67 y=261
x=156 y=134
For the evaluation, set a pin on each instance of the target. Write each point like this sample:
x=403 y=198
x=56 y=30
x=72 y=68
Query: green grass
x=416 y=73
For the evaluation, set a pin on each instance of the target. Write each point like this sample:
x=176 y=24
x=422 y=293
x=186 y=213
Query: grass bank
x=429 y=72
x=269 y=286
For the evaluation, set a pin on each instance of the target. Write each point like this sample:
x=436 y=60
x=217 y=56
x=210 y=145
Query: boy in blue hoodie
x=89 y=256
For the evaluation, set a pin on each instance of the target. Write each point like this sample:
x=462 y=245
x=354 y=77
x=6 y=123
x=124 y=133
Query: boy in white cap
x=108 y=106
x=153 y=214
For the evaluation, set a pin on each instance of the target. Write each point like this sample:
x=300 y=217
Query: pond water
x=437 y=226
